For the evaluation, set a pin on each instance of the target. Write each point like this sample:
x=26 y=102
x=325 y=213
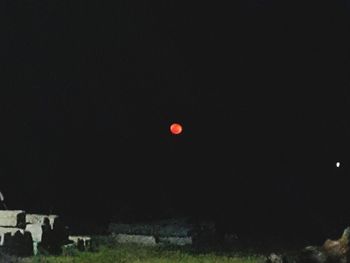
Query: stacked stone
x=14 y=239
x=24 y=234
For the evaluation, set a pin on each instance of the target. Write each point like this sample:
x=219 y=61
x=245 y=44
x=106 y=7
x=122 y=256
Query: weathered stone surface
x=12 y=218
x=39 y=219
x=136 y=239
x=83 y=243
x=176 y=241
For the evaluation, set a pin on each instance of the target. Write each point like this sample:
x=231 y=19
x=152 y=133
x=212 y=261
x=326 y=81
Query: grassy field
x=138 y=254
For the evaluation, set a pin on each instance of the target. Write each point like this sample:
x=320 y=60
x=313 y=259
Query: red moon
x=175 y=128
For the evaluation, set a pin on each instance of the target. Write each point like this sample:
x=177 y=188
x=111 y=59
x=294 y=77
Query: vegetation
x=114 y=253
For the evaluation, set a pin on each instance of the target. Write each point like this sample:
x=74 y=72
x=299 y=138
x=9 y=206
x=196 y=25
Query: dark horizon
x=88 y=91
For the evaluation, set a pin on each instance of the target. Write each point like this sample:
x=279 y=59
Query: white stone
x=12 y=218
x=136 y=239
x=40 y=219
x=36 y=231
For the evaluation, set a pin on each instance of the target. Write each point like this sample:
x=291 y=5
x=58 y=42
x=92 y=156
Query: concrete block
x=12 y=218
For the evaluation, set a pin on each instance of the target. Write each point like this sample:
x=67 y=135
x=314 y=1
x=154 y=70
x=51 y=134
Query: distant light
x=175 y=128
x=337 y=164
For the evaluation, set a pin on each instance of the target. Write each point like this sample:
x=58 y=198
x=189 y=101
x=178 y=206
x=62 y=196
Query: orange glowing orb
x=175 y=128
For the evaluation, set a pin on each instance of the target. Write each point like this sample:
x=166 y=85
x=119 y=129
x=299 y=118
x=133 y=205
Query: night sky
x=88 y=90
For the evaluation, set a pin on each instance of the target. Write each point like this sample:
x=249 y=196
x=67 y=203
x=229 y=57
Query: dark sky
x=89 y=89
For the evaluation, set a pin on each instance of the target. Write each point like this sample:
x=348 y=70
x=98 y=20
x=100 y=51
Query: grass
x=115 y=253
x=138 y=255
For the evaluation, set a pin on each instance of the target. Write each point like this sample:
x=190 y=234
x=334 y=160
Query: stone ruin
x=24 y=234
